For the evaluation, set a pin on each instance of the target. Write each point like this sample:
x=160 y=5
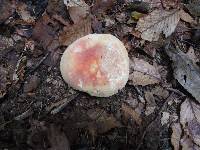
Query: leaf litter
x=39 y=107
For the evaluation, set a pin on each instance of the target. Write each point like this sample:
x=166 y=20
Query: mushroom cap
x=97 y=64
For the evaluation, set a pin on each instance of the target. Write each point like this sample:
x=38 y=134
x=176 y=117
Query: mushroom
x=97 y=64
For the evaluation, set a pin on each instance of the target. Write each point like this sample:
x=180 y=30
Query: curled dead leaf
x=75 y=31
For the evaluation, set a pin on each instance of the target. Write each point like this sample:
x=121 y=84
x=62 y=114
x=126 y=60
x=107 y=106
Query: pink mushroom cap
x=97 y=64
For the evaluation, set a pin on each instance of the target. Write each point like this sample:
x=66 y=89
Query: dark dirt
x=28 y=98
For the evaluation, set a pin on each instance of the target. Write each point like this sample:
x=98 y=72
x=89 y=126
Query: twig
x=24 y=115
x=62 y=104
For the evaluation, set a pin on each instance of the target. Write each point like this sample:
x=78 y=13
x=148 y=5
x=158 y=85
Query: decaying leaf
x=100 y=6
x=131 y=113
x=78 y=11
x=75 y=31
x=143 y=73
x=78 y=14
x=190 y=120
x=157 y=22
x=102 y=121
x=185 y=71
x=43 y=32
x=176 y=135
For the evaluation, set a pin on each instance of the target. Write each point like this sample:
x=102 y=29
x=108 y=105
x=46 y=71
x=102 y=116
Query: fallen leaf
x=143 y=73
x=129 y=112
x=186 y=17
x=157 y=22
x=100 y=6
x=185 y=71
x=176 y=135
x=75 y=31
x=57 y=139
x=78 y=14
x=43 y=32
x=102 y=121
x=190 y=120
x=78 y=10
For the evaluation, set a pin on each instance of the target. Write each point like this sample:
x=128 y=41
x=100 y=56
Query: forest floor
x=159 y=108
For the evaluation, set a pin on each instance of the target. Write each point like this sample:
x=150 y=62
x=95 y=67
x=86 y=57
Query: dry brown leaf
x=157 y=22
x=186 y=17
x=190 y=120
x=176 y=135
x=42 y=32
x=102 y=121
x=75 y=31
x=100 y=6
x=78 y=14
x=78 y=10
x=143 y=73
x=131 y=113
